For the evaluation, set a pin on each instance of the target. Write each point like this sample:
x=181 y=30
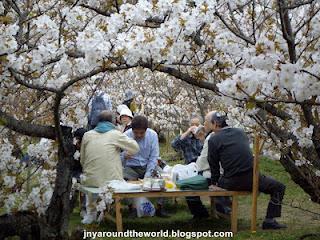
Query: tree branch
x=238 y=34
x=28 y=85
x=26 y=128
x=183 y=76
x=299 y=4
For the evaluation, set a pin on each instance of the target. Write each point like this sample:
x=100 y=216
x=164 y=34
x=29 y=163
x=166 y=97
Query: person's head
x=78 y=135
x=195 y=121
x=139 y=126
x=125 y=116
x=105 y=116
x=129 y=95
x=218 y=120
x=207 y=121
x=118 y=112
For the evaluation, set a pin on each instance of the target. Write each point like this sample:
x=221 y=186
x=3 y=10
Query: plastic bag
x=144 y=207
x=180 y=172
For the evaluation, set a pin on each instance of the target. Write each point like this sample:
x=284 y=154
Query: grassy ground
x=299 y=222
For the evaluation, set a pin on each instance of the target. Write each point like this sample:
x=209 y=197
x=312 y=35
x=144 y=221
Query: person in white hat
x=126 y=118
x=118 y=111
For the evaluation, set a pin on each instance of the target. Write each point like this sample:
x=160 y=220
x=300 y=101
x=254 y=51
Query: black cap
x=220 y=118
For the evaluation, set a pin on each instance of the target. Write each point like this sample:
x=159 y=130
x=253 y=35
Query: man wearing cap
x=99 y=102
x=230 y=147
x=129 y=100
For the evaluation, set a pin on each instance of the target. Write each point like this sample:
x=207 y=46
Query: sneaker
x=89 y=218
x=273 y=225
x=83 y=213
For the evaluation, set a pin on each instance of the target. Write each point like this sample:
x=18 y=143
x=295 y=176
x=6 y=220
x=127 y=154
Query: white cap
x=126 y=112
x=121 y=107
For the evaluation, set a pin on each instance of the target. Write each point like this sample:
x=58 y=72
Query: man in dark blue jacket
x=230 y=147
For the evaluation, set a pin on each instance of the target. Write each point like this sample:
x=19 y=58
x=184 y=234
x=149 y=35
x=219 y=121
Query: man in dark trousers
x=190 y=144
x=230 y=147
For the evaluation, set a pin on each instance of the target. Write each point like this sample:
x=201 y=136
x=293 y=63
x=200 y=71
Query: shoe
x=161 y=213
x=83 y=213
x=204 y=215
x=132 y=213
x=273 y=225
x=223 y=209
x=89 y=218
x=100 y=217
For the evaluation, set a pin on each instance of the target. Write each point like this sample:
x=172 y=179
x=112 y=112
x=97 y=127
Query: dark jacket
x=231 y=148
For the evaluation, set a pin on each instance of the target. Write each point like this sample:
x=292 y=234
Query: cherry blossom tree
x=258 y=58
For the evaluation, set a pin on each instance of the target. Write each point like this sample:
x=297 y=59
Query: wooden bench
x=118 y=196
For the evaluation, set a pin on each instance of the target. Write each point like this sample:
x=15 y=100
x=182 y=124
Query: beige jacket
x=100 y=156
x=202 y=161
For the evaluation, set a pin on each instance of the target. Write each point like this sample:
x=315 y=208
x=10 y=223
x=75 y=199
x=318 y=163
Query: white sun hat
x=121 y=107
x=126 y=112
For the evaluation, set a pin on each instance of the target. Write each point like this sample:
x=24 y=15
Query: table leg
x=118 y=215
x=213 y=208
x=234 y=214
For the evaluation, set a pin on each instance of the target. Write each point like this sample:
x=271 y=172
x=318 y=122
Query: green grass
x=299 y=222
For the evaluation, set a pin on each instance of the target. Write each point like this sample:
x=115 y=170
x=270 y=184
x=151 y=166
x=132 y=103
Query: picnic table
x=119 y=195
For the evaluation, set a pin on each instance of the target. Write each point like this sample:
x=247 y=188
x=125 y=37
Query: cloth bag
x=194 y=183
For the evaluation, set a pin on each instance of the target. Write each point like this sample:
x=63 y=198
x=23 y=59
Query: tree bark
x=57 y=215
x=23 y=224
x=302 y=175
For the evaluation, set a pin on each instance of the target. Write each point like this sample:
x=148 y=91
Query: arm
x=125 y=143
x=202 y=160
x=213 y=159
x=188 y=132
x=154 y=155
x=82 y=149
x=176 y=144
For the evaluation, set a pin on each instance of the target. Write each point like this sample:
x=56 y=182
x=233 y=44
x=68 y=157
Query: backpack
x=97 y=106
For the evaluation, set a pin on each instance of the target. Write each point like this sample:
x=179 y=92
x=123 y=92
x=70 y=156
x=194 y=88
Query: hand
x=192 y=129
x=128 y=156
x=215 y=188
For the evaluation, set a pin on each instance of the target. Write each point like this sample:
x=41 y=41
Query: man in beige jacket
x=100 y=157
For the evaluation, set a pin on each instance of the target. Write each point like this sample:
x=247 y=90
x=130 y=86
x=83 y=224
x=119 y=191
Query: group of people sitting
x=131 y=152
x=223 y=156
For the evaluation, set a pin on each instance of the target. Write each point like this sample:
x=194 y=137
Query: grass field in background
x=300 y=222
